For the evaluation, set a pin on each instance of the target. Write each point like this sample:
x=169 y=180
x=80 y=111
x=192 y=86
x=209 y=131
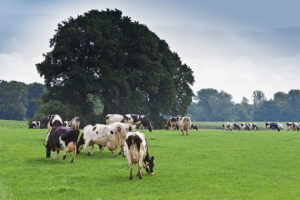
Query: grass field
x=208 y=164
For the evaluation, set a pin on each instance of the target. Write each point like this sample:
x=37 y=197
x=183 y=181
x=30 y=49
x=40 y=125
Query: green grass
x=208 y=164
x=13 y=124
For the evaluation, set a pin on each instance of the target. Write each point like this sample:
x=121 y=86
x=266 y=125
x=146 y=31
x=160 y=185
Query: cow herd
x=243 y=126
x=118 y=131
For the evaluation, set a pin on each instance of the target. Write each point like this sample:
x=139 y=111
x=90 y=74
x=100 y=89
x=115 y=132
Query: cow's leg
x=92 y=149
x=86 y=147
x=182 y=131
x=130 y=175
x=187 y=132
x=56 y=154
x=73 y=154
x=65 y=155
x=139 y=171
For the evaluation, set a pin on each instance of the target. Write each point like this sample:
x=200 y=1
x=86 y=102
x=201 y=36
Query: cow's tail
x=80 y=142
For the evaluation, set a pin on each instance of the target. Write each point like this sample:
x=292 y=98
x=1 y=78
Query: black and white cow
x=253 y=127
x=296 y=126
x=194 y=126
x=35 y=125
x=103 y=135
x=62 y=138
x=289 y=125
x=140 y=120
x=67 y=124
x=52 y=121
x=136 y=152
x=274 y=126
x=111 y=118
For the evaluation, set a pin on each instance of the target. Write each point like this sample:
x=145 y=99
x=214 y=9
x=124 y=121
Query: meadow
x=208 y=164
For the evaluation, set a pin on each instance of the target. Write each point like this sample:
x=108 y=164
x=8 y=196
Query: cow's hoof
x=89 y=154
x=72 y=161
x=130 y=178
x=64 y=157
x=120 y=153
x=141 y=177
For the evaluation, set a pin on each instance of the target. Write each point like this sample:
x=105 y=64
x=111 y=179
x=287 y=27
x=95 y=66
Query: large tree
x=107 y=55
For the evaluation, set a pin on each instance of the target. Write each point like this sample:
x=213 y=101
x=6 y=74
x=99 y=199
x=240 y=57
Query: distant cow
x=185 y=125
x=67 y=124
x=35 y=125
x=173 y=123
x=194 y=126
x=104 y=135
x=136 y=152
x=274 y=126
x=289 y=125
x=111 y=118
x=62 y=138
x=140 y=120
x=245 y=126
x=253 y=127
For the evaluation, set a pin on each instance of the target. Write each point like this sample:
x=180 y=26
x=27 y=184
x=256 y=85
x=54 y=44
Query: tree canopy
x=118 y=61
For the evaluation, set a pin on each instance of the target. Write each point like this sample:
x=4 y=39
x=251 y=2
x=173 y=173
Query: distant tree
x=123 y=63
x=13 y=100
x=35 y=91
x=258 y=97
x=212 y=105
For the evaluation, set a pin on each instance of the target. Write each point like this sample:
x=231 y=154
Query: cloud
x=14 y=66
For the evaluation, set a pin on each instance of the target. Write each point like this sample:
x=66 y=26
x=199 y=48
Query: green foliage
x=35 y=90
x=107 y=55
x=212 y=106
x=208 y=164
x=13 y=100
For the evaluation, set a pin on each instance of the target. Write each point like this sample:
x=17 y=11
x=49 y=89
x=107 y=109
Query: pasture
x=208 y=164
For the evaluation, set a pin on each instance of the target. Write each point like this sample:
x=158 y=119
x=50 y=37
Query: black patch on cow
x=134 y=139
x=94 y=128
x=111 y=132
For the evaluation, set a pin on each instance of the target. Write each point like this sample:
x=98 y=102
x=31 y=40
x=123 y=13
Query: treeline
x=17 y=99
x=212 y=105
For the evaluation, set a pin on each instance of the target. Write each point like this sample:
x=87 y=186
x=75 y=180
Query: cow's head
x=149 y=164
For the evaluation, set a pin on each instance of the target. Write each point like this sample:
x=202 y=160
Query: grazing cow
x=236 y=127
x=194 y=126
x=139 y=120
x=245 y=126
x=35 y=125
x=136 y=151
x=52 y=121
x=185 y=125
x=289 y=125
x=253 y=127
x=104 y=135
x=111 y=118
x=173 y=123
x=62 y=138
x=274 y=126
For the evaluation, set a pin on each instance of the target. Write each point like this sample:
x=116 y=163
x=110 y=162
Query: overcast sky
x=231 y=45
